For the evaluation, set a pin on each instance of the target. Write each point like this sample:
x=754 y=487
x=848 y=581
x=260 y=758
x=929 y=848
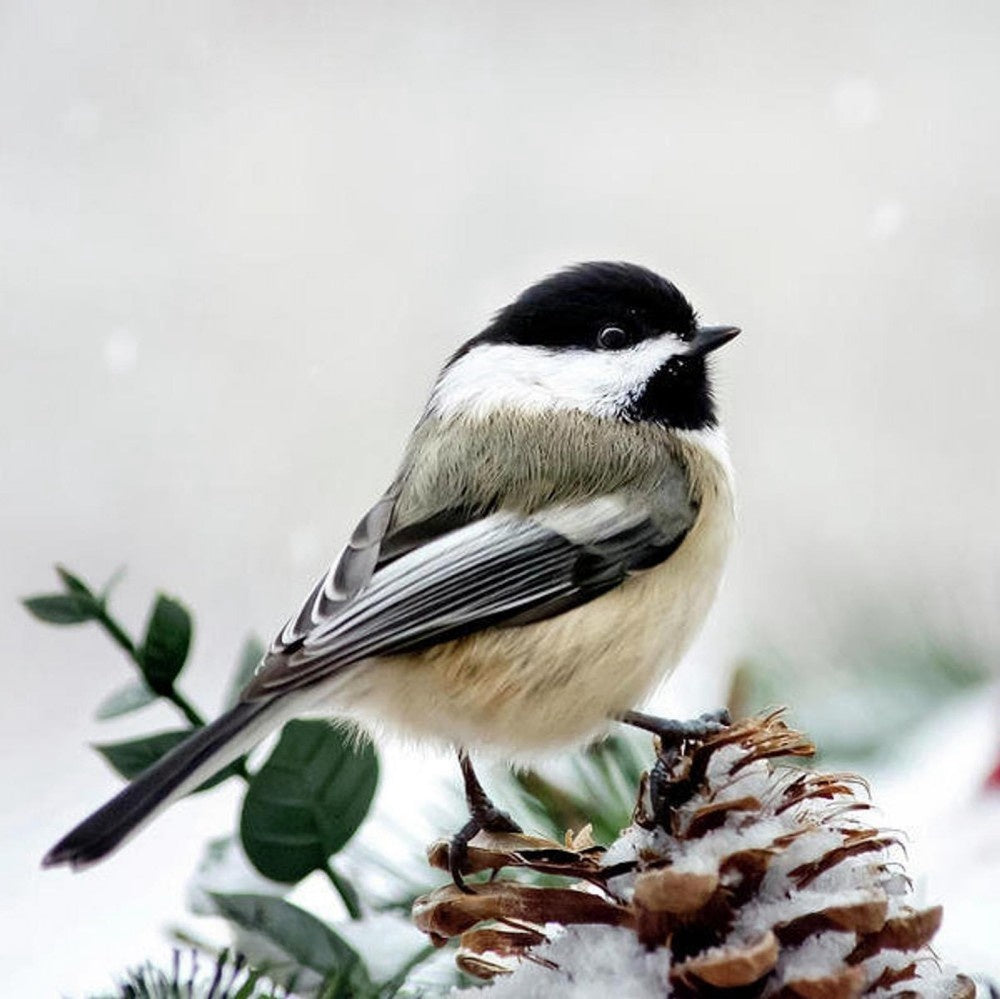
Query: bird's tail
x=191 y=763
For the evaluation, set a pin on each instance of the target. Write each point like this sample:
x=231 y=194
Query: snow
x=599 y=961
x=818 y=956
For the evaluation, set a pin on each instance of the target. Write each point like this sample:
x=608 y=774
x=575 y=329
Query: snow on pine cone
x=737 y=878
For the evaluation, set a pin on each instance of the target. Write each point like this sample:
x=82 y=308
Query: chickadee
x=545 y=555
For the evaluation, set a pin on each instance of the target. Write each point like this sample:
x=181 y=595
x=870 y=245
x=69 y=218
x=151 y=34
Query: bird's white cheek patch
x=500 y=375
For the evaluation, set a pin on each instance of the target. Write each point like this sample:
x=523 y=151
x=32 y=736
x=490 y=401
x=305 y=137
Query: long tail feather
x=205 y=753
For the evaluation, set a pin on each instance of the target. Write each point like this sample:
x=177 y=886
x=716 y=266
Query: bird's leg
x=672 y=732
x=485 y=816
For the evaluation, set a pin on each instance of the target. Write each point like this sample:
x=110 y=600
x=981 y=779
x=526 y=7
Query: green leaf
x=302 y=936
x=165 y=647
x=307 y=800
x=132 y=757
x=125 y=699
x=112 y=582
x=73 y=583
x=246 y=665
x=62 y=608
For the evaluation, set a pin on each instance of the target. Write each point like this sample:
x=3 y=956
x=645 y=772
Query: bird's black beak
x=709 y=338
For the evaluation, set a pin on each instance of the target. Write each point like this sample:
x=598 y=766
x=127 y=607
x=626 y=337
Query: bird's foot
x=485 y=817
x=672 y=732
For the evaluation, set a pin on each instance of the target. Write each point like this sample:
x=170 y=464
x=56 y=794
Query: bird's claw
x=485 y=817
x=672 y=732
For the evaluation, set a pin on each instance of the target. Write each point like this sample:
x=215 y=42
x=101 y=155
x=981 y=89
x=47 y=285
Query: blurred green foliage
x=862 y=693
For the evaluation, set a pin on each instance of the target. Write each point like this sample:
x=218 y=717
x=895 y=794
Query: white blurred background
x=237 y=240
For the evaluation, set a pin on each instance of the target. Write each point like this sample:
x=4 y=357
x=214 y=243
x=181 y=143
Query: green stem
x=121 y=637
x=115 y=630
x=186 y=709
x=345 y=890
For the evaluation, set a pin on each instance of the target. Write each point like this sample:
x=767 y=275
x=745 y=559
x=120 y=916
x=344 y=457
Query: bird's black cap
x=571 y=308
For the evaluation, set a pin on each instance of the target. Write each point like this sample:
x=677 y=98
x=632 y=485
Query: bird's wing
x=350 y=572
x=503 y=569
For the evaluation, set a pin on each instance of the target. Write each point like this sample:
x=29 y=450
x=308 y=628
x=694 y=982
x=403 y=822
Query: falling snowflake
x=856 y=103
x=121 y=352
x=886 y=220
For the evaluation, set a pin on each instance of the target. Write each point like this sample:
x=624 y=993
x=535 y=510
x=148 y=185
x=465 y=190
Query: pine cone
x=737 y=878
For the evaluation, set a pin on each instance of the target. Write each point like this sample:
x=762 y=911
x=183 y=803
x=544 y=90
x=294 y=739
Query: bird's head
x=613 y=340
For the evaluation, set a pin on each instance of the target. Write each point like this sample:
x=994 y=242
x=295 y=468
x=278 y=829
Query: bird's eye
x=612 y=338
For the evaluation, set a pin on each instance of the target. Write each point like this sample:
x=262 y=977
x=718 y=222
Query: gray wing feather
x=357 y=562
x=502 y=569
x=346 y=577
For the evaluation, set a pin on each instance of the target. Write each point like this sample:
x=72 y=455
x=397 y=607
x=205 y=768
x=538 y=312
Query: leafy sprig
x=301 y=806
